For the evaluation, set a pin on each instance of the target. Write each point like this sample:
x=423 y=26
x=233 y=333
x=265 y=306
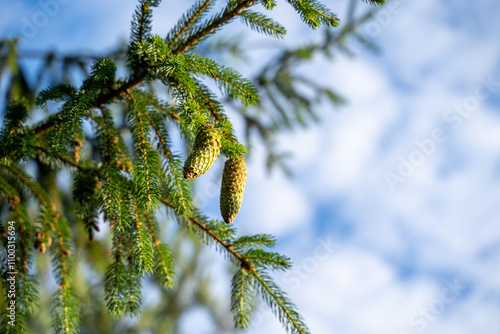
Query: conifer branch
x=110 y=141
x=161 y=138
x=142 y=245
x=141 y=24
x=244 y=262
x=129 y=85
x=209 y=104
x=24 y=232
x=158 y=106
x=270 y=292
x=146 y=167
x=263 y=24
x=61 y=157
x=34 y=187
x=9 y=191
x=280 y=304
x=191 y=18
x=164 y=263
x=227 y=15
x=134 y=283
x=116 y=284
x=151 y=228
x=241 y=298
x=102 y=99
x=143 y=12
x=65 y=309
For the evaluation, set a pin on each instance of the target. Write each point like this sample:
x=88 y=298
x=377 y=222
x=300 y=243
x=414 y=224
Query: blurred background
x=387 y=199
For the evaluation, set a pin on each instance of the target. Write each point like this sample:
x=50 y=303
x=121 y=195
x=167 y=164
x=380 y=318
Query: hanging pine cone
x=205 y=150
x=233 y=186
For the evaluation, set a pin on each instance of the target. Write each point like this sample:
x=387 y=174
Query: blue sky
x=420 y=256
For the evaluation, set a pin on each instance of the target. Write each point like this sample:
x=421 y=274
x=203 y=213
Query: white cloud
x=443 y=219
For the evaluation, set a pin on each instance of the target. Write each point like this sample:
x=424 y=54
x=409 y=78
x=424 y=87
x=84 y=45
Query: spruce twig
x=244 y=262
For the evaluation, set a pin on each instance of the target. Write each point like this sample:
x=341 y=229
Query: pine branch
x=65 y=304
x=230 y=145
x=229 y=81
x=314 y=13
x=279 y=303
x=163 y=109
x=16 y=139
x=34 y=187
x=194 y=15
x=61 y=157
x=115 y=287
x=109 y=180
x=9 y=191
x=262 y=24
x=164 y=262
x=142 y=246
x=257 y=241
x=142 y=20
x=112 y=147
x=146 y=165
x=124 y=87
x=177 y=187
x=133 y=294
x=103 y=98
x=268 y=260
x=58 y=93
x=116 y=279
x=85 y=195
x=242 y=298
x=375 y=2
x=268 y=4
x=228 y=247
x=270 y=292
x=215 y=23
x=127 y=193
x=208 y=99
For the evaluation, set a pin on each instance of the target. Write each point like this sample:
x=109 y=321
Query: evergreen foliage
x=127 y=178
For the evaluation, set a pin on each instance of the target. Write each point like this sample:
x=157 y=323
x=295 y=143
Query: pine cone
x=205 y=150
x=233 y=186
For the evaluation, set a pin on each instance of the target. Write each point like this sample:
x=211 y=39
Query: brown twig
x=213 y=26
x=103 y=99
x=193 y=18
x=244 y=261
x=61 y=157
x=165 y=110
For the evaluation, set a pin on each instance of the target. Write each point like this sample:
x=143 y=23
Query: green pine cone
x=205 y=151
x=233 y=186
